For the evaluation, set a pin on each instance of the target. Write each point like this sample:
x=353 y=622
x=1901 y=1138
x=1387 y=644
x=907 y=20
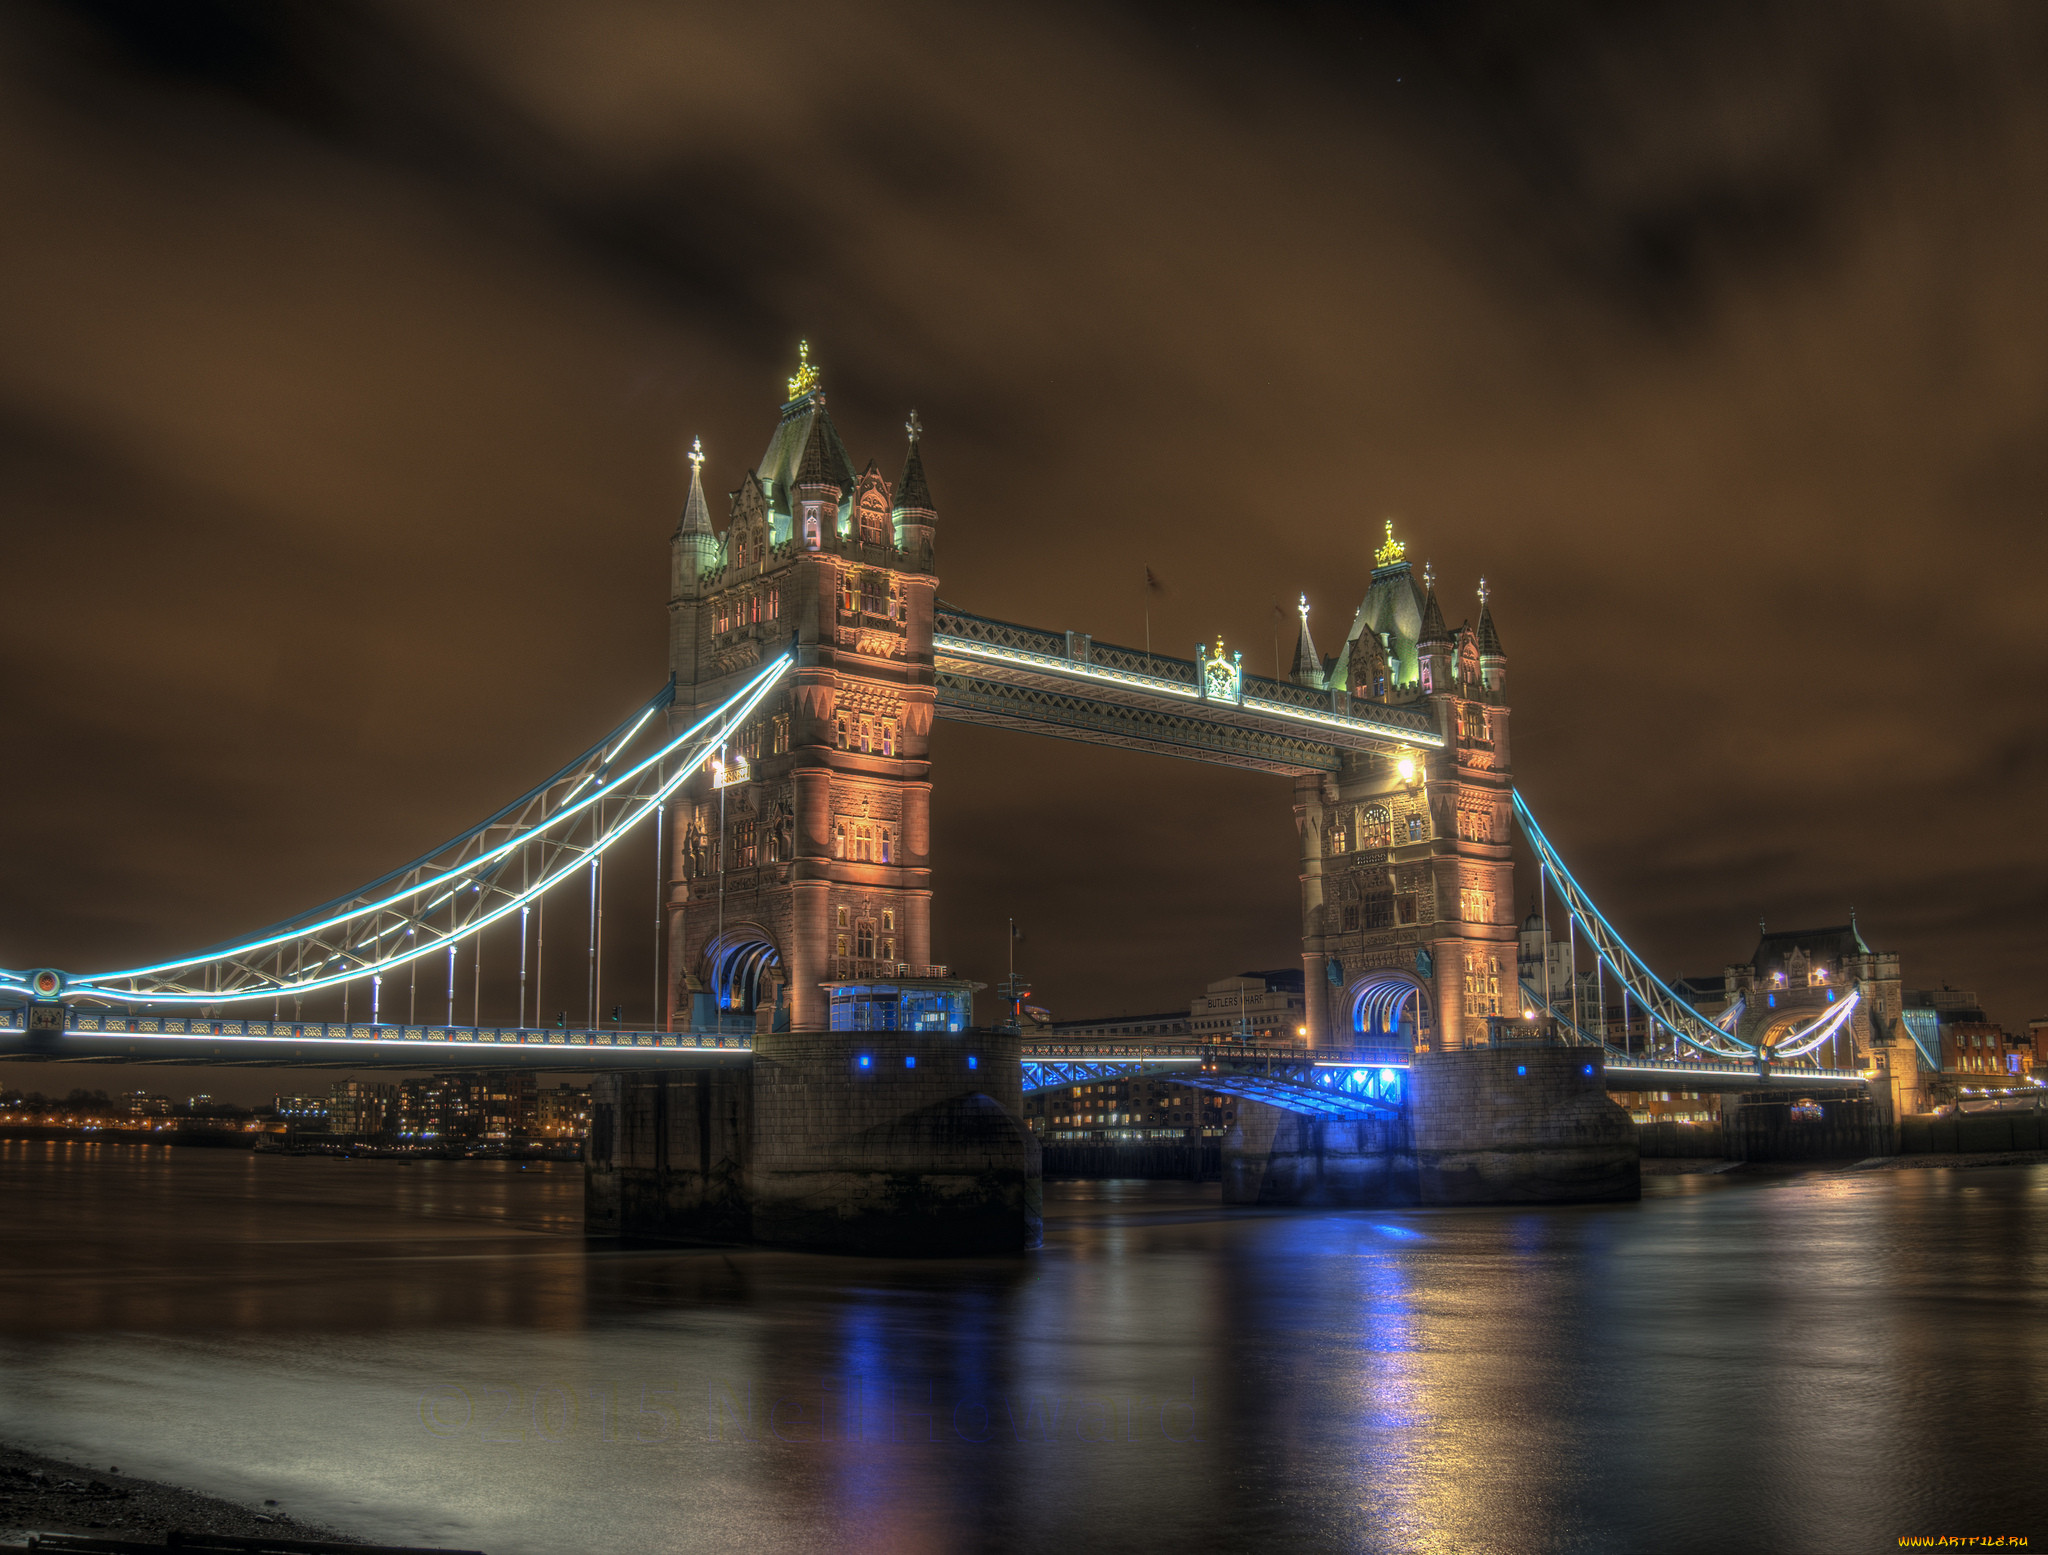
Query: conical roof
x=817 y=466
x=1308 y=664
x=1432 y=629
x=912 y=493
x=1488 y=637
x=696 y=515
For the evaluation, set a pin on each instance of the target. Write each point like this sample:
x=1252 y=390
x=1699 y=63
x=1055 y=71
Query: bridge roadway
x=1351 y=1082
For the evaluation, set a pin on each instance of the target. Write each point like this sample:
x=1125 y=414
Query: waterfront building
x=360 y=1108
x=1133 y=1111
x=562 y=1111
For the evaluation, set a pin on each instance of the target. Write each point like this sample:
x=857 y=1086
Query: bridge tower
x=807 y=858
x=1407 y=873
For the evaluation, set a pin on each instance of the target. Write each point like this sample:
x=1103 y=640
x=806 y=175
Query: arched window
x=1336 y=834
x=739 y=550
x=873 y=594
x=864 y=940
x=839 y=731
x=839 y=845
x=873 y=521
x=1376 y=830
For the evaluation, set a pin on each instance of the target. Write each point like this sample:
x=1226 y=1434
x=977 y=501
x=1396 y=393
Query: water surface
x=430 y=1352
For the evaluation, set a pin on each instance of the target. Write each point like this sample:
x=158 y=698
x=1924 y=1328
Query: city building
x=1257 y=1007
x=1134 y=1111
x=360 y=1108
x=1968 y=1043
x=562 y=1111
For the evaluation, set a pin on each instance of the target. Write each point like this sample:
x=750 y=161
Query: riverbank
x=49 y=1495
x=1700 y=1166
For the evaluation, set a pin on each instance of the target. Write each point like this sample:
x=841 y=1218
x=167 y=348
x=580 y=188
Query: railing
x=108 y=1024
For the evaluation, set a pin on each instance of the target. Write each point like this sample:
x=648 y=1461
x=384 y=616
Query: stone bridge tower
x=811 y=861
x=1407 y=873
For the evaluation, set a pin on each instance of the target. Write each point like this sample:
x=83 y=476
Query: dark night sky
x=347 y=350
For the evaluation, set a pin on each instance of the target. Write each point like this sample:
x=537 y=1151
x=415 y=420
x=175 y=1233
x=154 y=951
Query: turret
x=915 y=518
x=1433 y=644
x=817 y=488
x=1493 y=658
x=693 y=549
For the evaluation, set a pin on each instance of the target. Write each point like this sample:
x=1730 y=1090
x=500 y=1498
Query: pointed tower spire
x=696 y=516
x=1487 y=635
x=694 y=547
x=915 y=517
x=1308 y=664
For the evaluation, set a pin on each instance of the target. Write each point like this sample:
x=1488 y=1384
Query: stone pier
x=1489 y=1125
x=886 y=1142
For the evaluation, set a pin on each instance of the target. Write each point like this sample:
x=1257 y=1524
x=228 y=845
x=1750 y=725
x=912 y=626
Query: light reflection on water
x=430 y=1352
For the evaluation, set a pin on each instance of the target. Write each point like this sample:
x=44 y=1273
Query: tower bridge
x=812 y=1076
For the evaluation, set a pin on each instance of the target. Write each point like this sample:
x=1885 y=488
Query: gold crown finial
x=1391 y=550
x=806 y=378
x=696 y=455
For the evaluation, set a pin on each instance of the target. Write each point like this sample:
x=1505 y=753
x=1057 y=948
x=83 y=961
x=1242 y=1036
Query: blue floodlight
x=865 y=1061
x=1521 y=1069
x=1589 y=1069
x=909 y=1061
x=973 y=1062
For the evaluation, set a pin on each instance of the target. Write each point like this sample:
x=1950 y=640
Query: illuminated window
x=745 y=846
x=872 y=520
x=814 y=526
x=864 y=941
x=774 y=603
x=1376 y=830
x=847 y=599
x=867 y=736
x=739 y=550
x=1414 y=828
x=888 y=846
x=724 y=620
x=779 y=737
x=841 y=952
x=888 y=922
x=839 y=731
x=1475 y=905
x=873 y=599
x=844 y=918
x=889 y=952
x=839 y=851
x=888 y=738
x=1336 y=836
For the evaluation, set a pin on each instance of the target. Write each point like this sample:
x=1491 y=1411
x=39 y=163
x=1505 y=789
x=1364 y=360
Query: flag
x=1152 y=583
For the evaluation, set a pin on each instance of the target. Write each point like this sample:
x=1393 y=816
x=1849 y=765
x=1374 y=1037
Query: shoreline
x=41 y=1495
x=1704 y=1166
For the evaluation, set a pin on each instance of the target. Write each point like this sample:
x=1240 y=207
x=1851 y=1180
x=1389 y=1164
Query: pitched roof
x=912 y=493
x=1831 y=944
x=817 y=468
x=786 y=449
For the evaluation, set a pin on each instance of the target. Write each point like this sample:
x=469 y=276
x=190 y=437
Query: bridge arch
x=1387 y=1007
x=736 y=968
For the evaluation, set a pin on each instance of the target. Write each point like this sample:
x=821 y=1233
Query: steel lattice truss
x=1355 y=1085
x=454 y=892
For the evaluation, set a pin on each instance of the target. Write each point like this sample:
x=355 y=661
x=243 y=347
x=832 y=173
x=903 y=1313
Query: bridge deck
x=1070 y=686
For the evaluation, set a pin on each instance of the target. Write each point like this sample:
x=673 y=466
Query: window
x=843 y=919
x=1475 y=905
x=839 y=731
x=1475 y=825
x=1377 y=910
x=1351 y=917
x=873 y=601
x=888 y=738
x=847 y=601
x=888 y=922
x=841 y=952
x=1473 y=723
x=723 y=622
x=867 y=735
x=1375 y=831
x=1482 y=984
x=739 y=550
x=779 y=734
x=864 y=941
x=1404 y=907
x=888 y=950
x=814 y=526
x=888 y=846
x=774 y=604
x=839 y=851
x=872 y=520
x=1336 y=836
x=745 y=845
x=1414 y=828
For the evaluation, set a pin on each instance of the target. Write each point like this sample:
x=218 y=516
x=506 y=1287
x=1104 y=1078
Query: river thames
x=430 y=1352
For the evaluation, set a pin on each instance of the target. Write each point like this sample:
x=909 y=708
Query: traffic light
x=618 y=1013
x=562 y=1019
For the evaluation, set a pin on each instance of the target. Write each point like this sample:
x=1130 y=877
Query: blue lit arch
x=736 y=968
x=1387 y=1008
